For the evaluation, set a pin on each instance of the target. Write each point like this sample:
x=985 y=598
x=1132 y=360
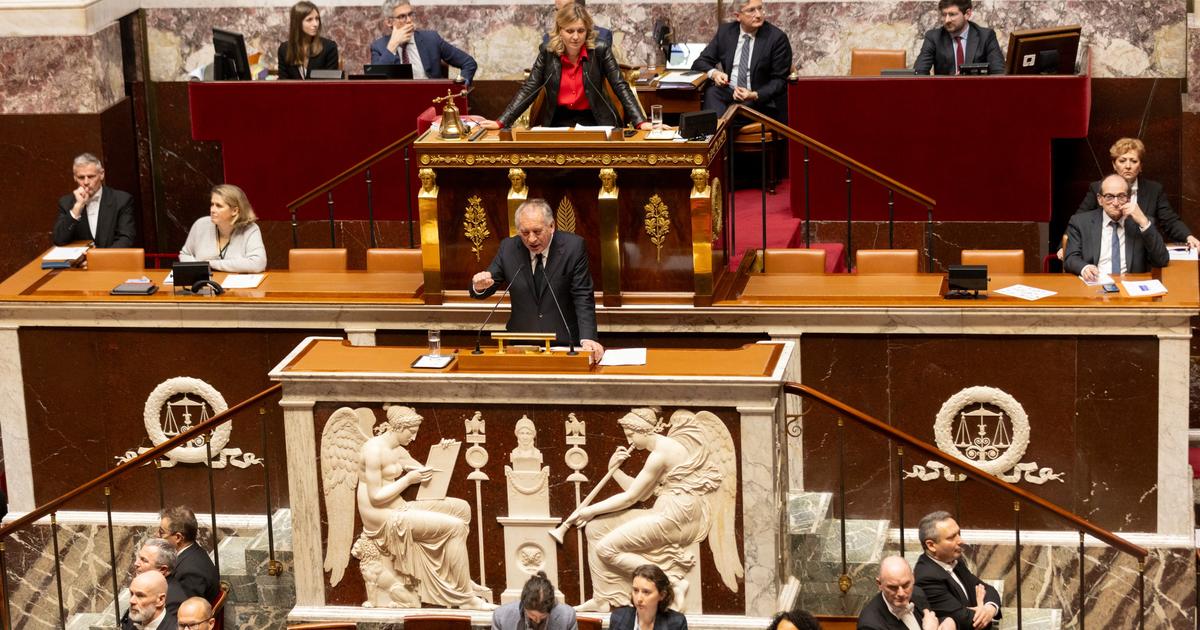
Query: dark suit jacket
x=433 y=50
x=175 y=595
x=116 y=225
x=625 y=618
x=327 y=59
x=937 y=51
x=770 y=64
x=1142 y=249
x=876 y=616
x=602 y=35
x=600 y=67
x=567 y=275
x=945 y=597
x=168 y=622
x=196 y=574
x=1153 y=203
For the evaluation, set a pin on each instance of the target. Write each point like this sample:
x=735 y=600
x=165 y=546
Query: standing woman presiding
x=651 y=598
x=228 y=237
x=573 y=67
x=305 y=50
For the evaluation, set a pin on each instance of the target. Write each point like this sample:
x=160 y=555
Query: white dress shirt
x=905 y=615
x=93 y=212
x=970 y=596
x=414 y=57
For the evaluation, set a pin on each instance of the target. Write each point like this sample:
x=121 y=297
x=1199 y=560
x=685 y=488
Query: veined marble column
x=760 y=486
x=18 y=469
x=1175 y=510
x=305 y=493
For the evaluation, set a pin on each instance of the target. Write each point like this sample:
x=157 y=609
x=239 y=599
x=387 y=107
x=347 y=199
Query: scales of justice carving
x=177 y=405
x=415 y=552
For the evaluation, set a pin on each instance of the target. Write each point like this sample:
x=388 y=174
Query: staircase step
x=257 y=554
x=242 y=584
x=242 y=615
x=278 y=591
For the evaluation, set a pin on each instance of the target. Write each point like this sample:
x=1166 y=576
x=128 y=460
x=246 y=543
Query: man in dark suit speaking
x=1117 y=238
x=543 y=270
x=755 y=59
x=425 y=50
x=94 y=212
x=957 y=42
x=952 y=590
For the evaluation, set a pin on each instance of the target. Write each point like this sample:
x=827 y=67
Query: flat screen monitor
x=388 y=70
x=683 y=55
x=230 y=62
x=1043 y=50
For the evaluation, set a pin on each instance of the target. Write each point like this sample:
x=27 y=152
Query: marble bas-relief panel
x=74 y=75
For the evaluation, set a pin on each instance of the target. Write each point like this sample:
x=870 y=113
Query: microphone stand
x=479 y=334
x=570 y=338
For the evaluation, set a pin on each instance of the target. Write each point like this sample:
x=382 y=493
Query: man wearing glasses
x=195 y=614
x=193 y=569
x=1115 y=239
x=755 y=59
x=425 y=50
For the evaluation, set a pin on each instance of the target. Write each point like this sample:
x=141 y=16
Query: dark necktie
x=1116 y=249
x=959 y=59
x=742 y=65
x=404 y=53
x=539 y=276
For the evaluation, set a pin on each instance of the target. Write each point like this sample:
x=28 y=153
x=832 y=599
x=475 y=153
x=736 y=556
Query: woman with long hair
x=305 y=50
x=228 y=238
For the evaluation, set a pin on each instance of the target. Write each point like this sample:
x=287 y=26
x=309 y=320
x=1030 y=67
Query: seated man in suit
x=94 y=212
x=755 y=59
x=899 y=605
x=159 y=555
x=544 y=270
x=425 y=50
x=950 y=588
x=148 y=604
x=1116 y=238
x=602 y=34
x=958 y=41
x=194 y=570
x=196 y=614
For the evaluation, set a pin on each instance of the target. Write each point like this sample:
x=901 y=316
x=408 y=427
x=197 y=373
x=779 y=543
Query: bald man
x=148 y=604
x=196 y=614
x=900 y=605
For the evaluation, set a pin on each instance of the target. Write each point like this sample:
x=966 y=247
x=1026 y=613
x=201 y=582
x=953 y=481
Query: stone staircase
x=816 y=561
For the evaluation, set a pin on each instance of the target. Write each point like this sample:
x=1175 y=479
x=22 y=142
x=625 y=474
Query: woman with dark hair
x=573 y=68
x=794 y=620
x=536 y=610
x=305 y=50
x=651 y=597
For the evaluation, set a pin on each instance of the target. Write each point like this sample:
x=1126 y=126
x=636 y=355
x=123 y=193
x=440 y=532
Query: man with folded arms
x=952 y=590
x=425 y=50
x=1116 y=238
x=94 y=212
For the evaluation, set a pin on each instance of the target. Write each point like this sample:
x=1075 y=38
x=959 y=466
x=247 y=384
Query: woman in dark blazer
x=573 y=67
x=305 y=50
x=652 y=597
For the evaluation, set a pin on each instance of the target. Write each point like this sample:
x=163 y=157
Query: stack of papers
x=1181 y=252
x=243 y=280
x=1025 y=292
x=1144 y=288
x=63 y=257
x=624 y=356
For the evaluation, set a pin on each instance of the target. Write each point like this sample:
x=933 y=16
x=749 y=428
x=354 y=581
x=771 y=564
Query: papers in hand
x=1025 y=292
x=243 y=280
x=624 y=356
x=1182 y=252
x=1144 y=288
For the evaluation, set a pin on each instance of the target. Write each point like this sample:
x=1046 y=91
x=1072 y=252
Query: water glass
x=435 y=343
x=656 y=117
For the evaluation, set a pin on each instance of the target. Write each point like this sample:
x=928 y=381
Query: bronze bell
x=451 y=127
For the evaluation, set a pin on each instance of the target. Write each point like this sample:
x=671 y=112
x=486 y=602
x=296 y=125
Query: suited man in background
x=951 y=589
x=1091 y=236
x=544 y=269
x=148 y=604
x=958 y=41
x=425 y=50
x=159 y=555
x=755 y=58
x=94 y=212
x=899 y=604
x=193 y=569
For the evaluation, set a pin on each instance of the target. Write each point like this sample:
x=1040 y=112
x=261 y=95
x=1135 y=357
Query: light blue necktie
x=742 y=66
x=1116 y=250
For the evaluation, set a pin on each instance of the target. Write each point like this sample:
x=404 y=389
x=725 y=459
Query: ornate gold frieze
x=658 y=224
x=718 y=209
x=564 y=217
x=561 y=159
x=475 y=225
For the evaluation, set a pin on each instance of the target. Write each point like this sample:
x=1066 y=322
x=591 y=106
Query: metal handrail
x=878 y=426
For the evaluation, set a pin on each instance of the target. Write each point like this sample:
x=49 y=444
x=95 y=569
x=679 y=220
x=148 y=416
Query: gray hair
x=534 y=204
x=927 y=528
x=166 y=553
x=83 y=159
x=390 y=5
x=738 y=5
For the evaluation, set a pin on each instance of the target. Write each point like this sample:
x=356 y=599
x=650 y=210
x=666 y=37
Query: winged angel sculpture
x=692 y=474
x=409 y=552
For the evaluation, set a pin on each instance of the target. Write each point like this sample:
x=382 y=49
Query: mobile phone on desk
x=1110 y=288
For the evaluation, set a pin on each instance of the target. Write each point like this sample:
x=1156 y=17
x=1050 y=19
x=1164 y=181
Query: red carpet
x=783 y=229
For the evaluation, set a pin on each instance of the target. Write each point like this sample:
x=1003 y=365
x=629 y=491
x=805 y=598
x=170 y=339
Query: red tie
x=958 y=54
x=404 y=54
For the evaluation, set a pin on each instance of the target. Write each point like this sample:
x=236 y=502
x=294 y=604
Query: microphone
x=479 y=334
x=570 y=337
x=604 y=97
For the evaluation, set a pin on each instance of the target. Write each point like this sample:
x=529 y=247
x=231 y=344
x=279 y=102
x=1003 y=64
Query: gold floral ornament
x=658 y=224
x=718 y=209
x=564 y=216
x=475 y=225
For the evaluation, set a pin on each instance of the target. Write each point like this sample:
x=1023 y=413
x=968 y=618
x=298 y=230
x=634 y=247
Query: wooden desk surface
x=336 y=356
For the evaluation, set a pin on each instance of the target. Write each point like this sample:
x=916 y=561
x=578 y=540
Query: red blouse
x=570 y=87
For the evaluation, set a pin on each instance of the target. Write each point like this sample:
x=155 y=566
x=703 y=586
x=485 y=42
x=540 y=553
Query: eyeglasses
x=195 y=625
x=403 y=17
x=1116 y=197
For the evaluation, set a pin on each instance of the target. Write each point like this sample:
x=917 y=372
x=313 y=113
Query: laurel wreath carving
x=475 y=225
x=564 y=216
x=658 y=224
x=151 y=417
x=943 y=426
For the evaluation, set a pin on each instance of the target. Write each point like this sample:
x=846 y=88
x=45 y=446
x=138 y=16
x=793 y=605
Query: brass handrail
x=352 y=171
x=831 y=153
x=930 y=450
x=137 y=462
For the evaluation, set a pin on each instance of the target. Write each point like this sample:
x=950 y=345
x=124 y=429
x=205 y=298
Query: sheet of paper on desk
x=624 y=356
x=243 y=280
x=1144 y=288
x=1103 y=279
x=65 y=253
x=170 y=277
x=1183 y=253
x=540 y=128
x=662 y=134
x=679 y=76
x=1025 y=292
x=604 y=128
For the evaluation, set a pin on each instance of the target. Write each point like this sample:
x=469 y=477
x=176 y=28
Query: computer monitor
x=1043 y=50
x=683 y=55
x=230 y=62
x=388 y=71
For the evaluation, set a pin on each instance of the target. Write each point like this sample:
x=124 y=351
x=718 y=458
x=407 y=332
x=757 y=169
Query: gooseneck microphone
x=479 y=334
x=570 y=337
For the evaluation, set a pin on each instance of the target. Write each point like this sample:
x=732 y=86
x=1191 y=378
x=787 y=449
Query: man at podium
x=549 y=283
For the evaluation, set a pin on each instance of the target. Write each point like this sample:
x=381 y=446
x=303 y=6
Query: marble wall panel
x=1192 y=98
x=61 y=74
x=603 y=437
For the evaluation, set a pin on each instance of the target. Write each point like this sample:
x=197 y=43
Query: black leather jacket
x=600 y=66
